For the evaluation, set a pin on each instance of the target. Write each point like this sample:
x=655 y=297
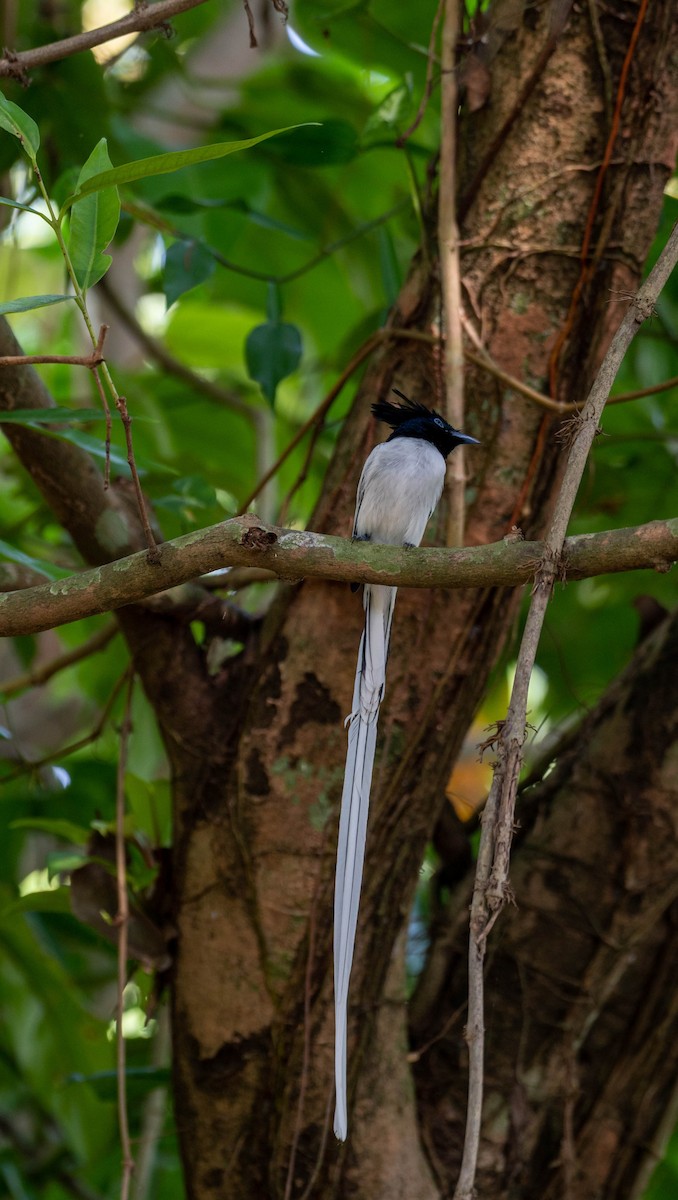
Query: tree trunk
x=257 y=753
x=253 y=1000
x=582 y=1013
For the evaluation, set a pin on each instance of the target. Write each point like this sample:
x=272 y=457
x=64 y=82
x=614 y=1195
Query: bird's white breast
x=400 y=485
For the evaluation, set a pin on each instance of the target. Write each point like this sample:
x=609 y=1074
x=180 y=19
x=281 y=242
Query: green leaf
x=187 y=263
x=26 y=303
x=272 y=352
x=94 y=221
x=164 y=164
x=44 y=568
x=78 y=835
x=50 y=416
x=20 y=125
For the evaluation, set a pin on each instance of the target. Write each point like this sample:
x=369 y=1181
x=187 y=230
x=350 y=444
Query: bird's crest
x=397 y=414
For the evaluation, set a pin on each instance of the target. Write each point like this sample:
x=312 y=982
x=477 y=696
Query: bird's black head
x=414 y=420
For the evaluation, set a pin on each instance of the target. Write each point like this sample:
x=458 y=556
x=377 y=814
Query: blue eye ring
x=439 y=421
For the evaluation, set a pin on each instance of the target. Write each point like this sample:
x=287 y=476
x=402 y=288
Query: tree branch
x=294 y=555
x=73 y=360
x=491 y=888
x=142 y=18
x=122 y=923
x=36 y=676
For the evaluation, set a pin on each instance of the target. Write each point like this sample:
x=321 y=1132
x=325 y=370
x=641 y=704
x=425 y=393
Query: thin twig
x=320 y=413
x=664 y=386
x=306 y=1058
x=142 y=18
x=154 y=1112
x=481 y=358
x=418 y=1052
x=80 y=297
x=121 y=921
x=250 y=22
x=491 y=889
x=428 y=83
x=303 y=474
x=153 y=550
x=109 y=428
x=37 y=676
x=321 y=1149
x=148 y=216
x=73 y=747
x=450 y=270
x=70 y=360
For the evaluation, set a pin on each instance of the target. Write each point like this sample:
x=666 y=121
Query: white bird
x=400 y=486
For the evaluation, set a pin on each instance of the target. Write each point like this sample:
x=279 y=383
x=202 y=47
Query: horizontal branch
x=91 y=360
x=293 y=555
x=143 y=17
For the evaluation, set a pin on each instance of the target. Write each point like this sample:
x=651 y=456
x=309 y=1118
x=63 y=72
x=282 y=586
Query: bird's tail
x=370 y=681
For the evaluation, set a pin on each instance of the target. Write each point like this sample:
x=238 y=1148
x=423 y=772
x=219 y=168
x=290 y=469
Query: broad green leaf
x=78 y=835
x=187 y=263
x=26 y=303
x=50 y=416
x=18 y=556
x=20 y=125
x=164 y=164
x=272 y=352
x=94 y=221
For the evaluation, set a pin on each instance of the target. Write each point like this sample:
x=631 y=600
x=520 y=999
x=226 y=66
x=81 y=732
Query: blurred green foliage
x=327 y=216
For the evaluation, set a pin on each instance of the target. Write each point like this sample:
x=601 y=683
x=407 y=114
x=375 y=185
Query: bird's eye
x=438 y=421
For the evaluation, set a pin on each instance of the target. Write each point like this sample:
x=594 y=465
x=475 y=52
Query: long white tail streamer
x=368 y=692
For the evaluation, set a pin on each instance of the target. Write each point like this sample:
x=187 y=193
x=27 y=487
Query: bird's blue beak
x=466 y=437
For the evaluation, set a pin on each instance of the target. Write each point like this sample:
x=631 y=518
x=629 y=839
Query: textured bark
x=246 y=1046
x=257 y=753
x=582 y=1025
